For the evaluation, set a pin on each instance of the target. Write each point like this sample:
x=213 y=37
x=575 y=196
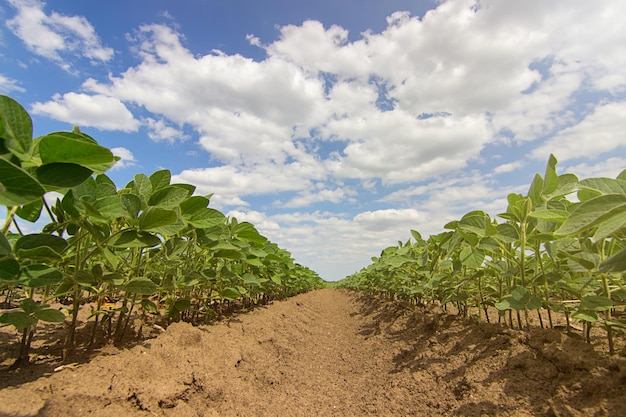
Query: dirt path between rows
x=333 y=353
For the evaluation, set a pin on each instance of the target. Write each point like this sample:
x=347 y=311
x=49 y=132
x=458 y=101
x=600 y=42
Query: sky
x=335 y=127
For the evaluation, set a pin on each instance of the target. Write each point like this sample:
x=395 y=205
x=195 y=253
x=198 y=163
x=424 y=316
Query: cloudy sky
x=335 y=127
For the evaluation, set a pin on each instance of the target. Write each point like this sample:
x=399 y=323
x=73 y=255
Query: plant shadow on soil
x=46 y=352
x=553 y=373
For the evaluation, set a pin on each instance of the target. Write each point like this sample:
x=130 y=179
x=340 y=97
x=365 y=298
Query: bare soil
x=328 y=353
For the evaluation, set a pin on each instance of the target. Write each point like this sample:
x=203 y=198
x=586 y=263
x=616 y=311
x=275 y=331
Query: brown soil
x=330 y=353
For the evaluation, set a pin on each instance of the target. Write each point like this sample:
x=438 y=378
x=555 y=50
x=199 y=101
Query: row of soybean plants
x=150 y=247
x=560 y=248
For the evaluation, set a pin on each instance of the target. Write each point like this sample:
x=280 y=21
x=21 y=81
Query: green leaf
x=230 y=294
x=31 y=211
x=9 y=269
x=182 y=304
x=105 y=187
x=153 y=218
x=5 y=246
x=167 y=197
x=140 y=285
x=50 y=315
x=193 y=204
x=585 y=315
x=550 y=214
x=160 y=179
x=507 y=233
x=536 y=187
x=16 y=127
x=567 y=184
x=134 y=239
x=131 y=204
x=40 y=245
x=110 y=207
x=62 y=174
x=72 y=147
x=616 y=263
x=39 y=275
x=596 y=303
x=17 y=187
x=551 y=179
x=471 y=258
x=604 y=185
x=205 y=218
x=247 y=232
x=18 y=319
x=590 y=213
x=142 y=186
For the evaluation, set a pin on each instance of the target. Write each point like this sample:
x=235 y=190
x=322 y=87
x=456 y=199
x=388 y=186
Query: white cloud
x=160 y=130
x=230 y=183
x=508 y=167
x=55 y=35
x=127 y=159
x=609 y=168
x=101 y=112
x=601 y=131
x=8 y=84
x=311 y=196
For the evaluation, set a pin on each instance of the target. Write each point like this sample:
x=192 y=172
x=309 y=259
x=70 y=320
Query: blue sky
x=334 y=127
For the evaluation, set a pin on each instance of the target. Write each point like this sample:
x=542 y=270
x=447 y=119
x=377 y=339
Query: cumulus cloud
x=601 y=131
x=508 y=167
x=609 y=168
x=8 y=84
x=160 y=130
x=101 y=112
x=54 y=35
x=127 y=159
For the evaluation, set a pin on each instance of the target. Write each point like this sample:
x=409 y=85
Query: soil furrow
x=333 y=353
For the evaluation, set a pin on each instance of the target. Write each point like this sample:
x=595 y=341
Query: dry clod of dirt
x=331 y=353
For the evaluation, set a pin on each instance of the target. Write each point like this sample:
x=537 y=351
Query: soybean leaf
x=551 y=179
x=230 y=294
x=131 y=204
x=205 y=218
x=40 y=240
x=134 y=239
x=616 y=263
x=140 y=285
x=5 y=245
x=110 y=207
x=31 y=211
x=17 y=187
x=142 y=186
x=246 y=231
x=567 y=183
x=72 y=147
x=18 y=319
x=471 y=258
x=153 y=218
x=160 y=179
x=9 y=269
x=16 y=127
x=193 y=204
x=39 y=275
x=167 y=197
x=105 y=187
x=604 y=185
x=62 y=174
x=590 y=213
x=50 y=315
x=596 y=303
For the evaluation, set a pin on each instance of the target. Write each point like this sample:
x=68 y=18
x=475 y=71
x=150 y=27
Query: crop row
x=559 y=248
x=149 y=247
